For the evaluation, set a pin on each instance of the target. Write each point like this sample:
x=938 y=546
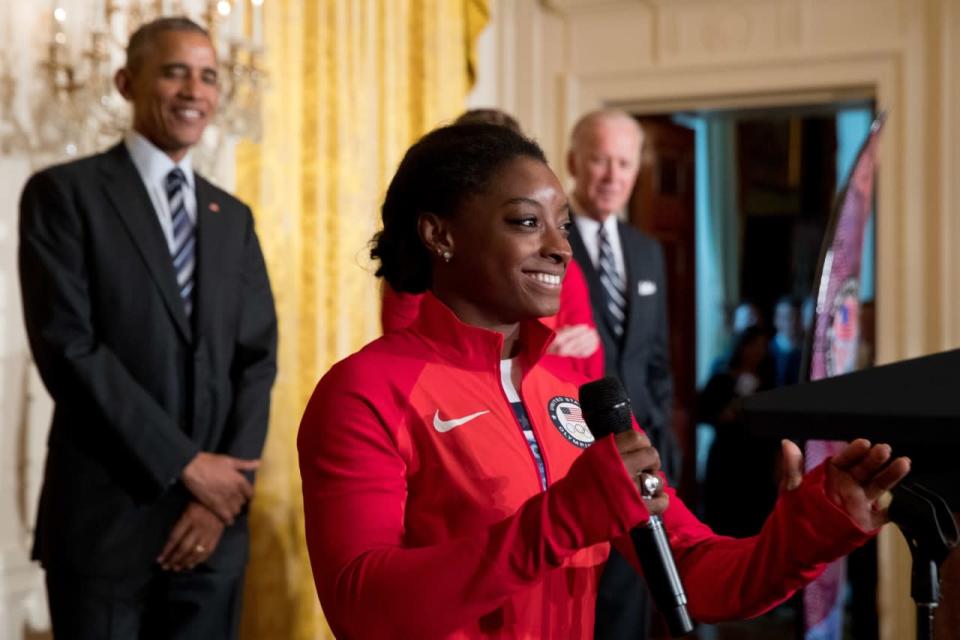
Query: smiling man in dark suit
x=625 y=274
x=152 y=323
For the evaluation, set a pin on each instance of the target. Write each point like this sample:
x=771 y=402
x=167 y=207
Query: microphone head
x=605 y=406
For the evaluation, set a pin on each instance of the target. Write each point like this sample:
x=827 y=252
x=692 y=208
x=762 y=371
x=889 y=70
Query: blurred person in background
x=625 y=272
x=738 y=458
x=785 y=347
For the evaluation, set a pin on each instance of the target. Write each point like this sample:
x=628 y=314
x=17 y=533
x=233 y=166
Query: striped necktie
x=613 y=294
x=184 y=238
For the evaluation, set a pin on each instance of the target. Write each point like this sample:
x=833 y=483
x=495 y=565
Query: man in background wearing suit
x=625 y=274
x=151 y=320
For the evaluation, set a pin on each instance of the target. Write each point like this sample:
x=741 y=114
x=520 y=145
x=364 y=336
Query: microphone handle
x=663 y=580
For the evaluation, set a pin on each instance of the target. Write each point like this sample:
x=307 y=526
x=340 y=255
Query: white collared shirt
x=589 y=228
x=153 y=165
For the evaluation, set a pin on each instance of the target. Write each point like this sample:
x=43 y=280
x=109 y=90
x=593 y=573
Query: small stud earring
x=447 y=256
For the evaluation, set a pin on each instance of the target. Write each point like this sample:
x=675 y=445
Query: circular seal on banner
x=568 y=418
x=843 y=330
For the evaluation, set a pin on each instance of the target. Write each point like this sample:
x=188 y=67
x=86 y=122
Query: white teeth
x=546 y=278
x=189 y=113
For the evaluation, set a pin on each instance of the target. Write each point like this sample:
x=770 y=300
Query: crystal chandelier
x=76 y=110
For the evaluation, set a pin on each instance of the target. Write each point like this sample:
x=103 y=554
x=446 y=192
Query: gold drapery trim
x=352 y=84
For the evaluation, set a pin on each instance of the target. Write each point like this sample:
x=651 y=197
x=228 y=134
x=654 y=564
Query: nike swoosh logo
x=445 y=425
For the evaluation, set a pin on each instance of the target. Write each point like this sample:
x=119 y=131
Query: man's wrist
x=187 y=469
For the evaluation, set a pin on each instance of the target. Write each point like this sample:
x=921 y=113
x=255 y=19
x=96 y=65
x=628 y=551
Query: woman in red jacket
x=451 y=488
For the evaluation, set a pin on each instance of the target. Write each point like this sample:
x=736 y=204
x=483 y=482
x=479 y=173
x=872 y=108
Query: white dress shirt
x=153 y=165
x=589 y=228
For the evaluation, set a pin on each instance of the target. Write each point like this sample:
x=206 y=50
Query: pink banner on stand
x=835 y=346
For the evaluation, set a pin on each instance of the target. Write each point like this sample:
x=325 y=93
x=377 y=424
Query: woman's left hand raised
x=856 y=478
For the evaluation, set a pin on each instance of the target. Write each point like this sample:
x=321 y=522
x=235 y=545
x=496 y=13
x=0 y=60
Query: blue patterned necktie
x=613 y=294
x=184 y=238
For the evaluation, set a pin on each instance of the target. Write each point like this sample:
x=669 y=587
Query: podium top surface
x=909 y=402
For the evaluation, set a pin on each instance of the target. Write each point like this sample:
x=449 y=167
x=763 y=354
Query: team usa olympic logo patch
x=568 y=418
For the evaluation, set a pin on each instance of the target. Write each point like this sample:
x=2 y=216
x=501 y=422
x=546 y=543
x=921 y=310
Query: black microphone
x=606 y=409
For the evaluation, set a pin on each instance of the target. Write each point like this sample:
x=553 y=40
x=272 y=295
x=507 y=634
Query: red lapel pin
x=214 y=207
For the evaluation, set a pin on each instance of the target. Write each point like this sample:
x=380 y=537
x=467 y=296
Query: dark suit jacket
x=138 y=388
x=641 y=359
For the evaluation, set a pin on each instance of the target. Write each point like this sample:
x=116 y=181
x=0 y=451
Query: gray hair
x=589 y=120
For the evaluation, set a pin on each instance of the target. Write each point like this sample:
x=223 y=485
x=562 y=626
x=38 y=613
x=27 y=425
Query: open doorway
x=740 y=200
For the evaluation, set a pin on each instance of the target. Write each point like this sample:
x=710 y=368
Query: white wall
x=24 y=406
x=24 y=416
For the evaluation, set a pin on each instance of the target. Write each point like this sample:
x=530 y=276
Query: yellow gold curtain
x=352 y=84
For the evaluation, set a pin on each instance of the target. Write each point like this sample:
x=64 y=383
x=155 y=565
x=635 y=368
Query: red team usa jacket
x=425 y=516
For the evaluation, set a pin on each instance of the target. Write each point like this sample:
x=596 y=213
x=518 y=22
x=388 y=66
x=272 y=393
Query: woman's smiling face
x=510 y=248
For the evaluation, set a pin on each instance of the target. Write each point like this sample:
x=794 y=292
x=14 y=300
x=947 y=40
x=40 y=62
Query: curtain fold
x=352 y=83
